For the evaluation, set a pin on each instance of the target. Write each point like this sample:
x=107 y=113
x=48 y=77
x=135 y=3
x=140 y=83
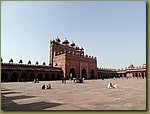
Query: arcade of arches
x=9 y=74
x=15 y=76
x=135 y=74
x=65 y=61
x=73 y=74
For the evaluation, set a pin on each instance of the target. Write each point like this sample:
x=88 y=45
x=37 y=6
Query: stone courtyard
x=91 y=95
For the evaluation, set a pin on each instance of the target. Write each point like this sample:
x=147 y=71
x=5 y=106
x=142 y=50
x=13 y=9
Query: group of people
x=111 y=85
x=36 y=80
x=78 y=80
x=47 y=87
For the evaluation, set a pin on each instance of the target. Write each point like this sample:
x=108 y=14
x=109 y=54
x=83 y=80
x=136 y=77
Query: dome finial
x=131 y=66
x=57 y=39
x=65 y=41
x=72 y=44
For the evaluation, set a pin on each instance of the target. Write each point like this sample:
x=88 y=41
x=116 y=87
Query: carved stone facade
x=66 y=60
x=72 y=60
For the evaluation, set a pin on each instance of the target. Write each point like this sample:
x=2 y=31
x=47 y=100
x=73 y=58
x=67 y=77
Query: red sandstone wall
x=68 y=57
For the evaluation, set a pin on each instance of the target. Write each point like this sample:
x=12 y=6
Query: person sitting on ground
x=115 y=86
x=48 y=86
x=37 y=81
x=74 y=79
x=111 y=85
x=43 y=86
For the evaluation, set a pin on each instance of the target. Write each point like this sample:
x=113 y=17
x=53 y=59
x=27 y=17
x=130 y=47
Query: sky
x=114 y=32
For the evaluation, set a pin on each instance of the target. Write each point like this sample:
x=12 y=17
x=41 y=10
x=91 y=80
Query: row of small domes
x=21 y=62
x=132 y=66
x=57 y=40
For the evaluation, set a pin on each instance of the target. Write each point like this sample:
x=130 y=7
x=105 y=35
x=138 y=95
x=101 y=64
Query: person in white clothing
x=115 y=86
x=111 y=85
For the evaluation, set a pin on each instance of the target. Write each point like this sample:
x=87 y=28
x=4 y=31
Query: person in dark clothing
x=64 y=80
x=43 y=87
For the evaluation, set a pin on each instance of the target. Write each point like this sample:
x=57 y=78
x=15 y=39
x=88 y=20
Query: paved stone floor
x=91 y=95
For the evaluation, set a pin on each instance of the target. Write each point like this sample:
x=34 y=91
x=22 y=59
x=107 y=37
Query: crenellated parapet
x=106 y=69
x=26 y=66
x=18 y=64
x=132 y=67
x=65 y=47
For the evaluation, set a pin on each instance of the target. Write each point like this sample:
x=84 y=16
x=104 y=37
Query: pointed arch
x=72 y=72
x=84 y=74
x=92 y=73
x=14 y=77
x=4 y=77
x=46 y=77
x=23 y=77
x=52 y=76
x=32 y=77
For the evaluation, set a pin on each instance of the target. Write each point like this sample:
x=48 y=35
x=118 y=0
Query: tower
x=72 y=60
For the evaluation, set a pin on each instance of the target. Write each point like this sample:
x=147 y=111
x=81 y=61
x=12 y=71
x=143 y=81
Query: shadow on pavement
x=7 y=103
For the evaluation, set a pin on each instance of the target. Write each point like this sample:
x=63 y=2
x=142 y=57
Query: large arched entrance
x=72 y=73
x=32 y=77
x=92 y=74
x=142 y=75
x=53 y=76
x=40 y=77
x=136 y=74
x=4 y=77
x=14 y=77
x=23 y=77
x=46 y=77
x=84 y=75
x=58 y=76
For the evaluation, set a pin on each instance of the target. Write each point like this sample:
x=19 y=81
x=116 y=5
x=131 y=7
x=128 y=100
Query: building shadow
x=7 y=104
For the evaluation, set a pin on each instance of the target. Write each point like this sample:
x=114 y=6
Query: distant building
x=131 y=71
x=66 y=60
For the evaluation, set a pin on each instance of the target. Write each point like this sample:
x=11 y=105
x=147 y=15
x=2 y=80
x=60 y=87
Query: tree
x=29 y=62
x=20 y=62
x=11 y=60
x=37 y=63
x=1 y=60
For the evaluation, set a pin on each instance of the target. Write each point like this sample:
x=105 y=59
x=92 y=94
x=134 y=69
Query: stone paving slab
x=91 y=95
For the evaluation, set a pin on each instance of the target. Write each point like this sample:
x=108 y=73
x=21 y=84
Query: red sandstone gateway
x=66 y=61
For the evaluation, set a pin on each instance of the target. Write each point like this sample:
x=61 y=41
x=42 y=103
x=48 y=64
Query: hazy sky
x=114 y=32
